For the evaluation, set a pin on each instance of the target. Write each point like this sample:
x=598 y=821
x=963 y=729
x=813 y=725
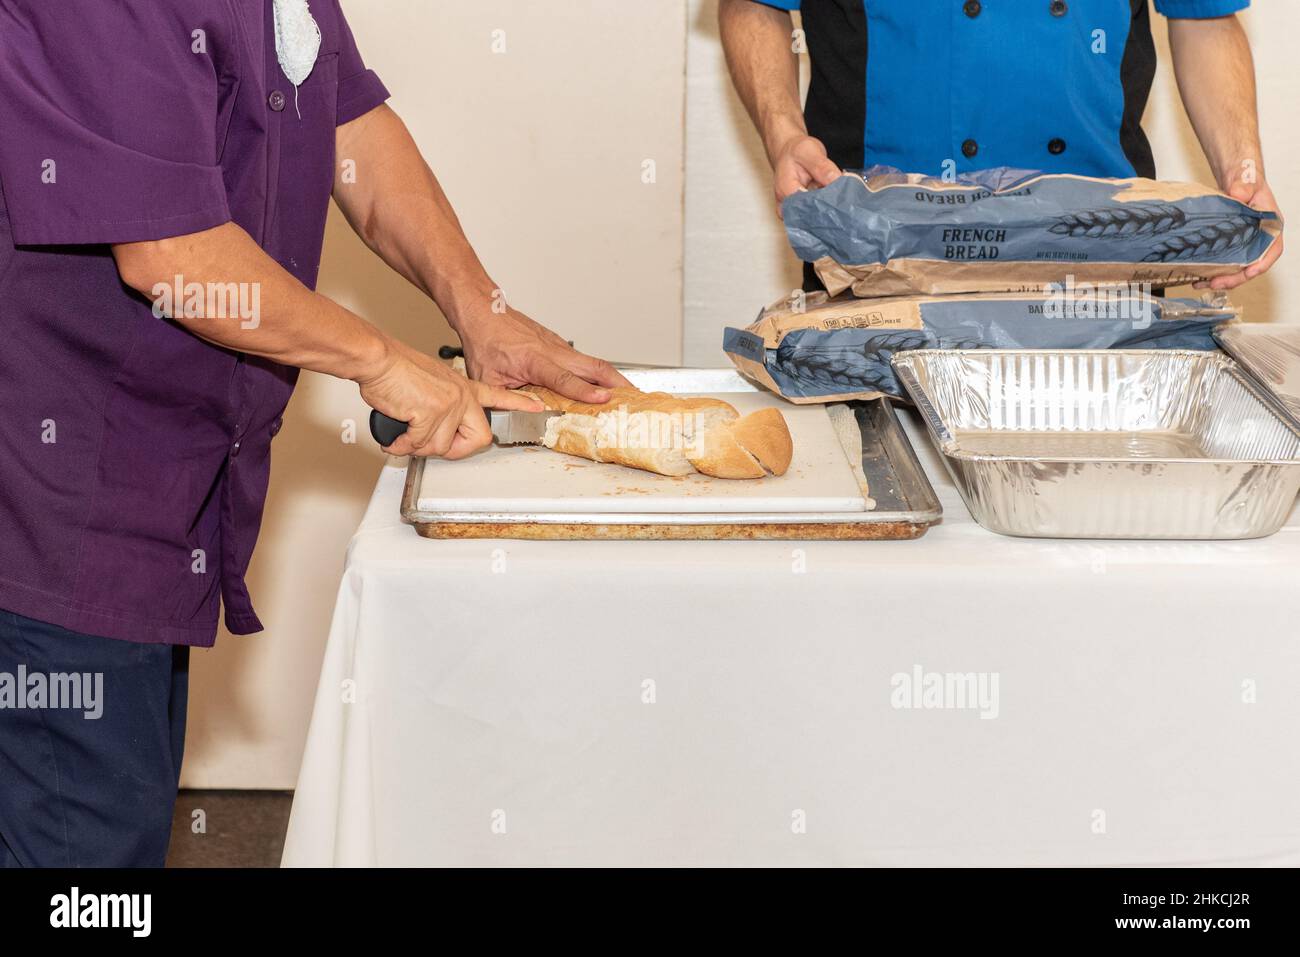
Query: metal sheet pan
x=905 y=502
x=1108 y=444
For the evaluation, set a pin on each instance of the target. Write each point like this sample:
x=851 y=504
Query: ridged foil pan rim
x=948 y=445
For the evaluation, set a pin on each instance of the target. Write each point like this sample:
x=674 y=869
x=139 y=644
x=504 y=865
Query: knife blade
x=509 y=428
x=519 y=428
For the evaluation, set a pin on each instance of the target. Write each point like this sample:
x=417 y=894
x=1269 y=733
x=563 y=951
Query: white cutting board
x=533 y=479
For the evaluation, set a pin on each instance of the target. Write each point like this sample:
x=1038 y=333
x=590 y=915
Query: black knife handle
x=457 y=352
x=385 y=430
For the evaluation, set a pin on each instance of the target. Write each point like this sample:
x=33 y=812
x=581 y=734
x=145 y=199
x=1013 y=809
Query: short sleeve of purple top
x=134 y=457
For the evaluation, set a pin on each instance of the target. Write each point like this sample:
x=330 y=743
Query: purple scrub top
x=134 y=457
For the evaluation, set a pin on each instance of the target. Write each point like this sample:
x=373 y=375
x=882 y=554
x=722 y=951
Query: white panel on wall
x=737 y=257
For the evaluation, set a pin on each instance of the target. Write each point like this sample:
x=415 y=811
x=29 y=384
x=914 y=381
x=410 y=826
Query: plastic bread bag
x=832 y=350
x=887 y=233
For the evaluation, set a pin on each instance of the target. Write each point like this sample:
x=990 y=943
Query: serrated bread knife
x=509 y=428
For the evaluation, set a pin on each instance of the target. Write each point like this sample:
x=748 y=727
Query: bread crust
x=707 y=435
x=767 y=437
x=633 y=399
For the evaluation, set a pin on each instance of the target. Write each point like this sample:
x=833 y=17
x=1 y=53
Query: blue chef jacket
x=935 y=86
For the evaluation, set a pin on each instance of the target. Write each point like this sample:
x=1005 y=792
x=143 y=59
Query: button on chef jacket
x=959 y=85
x=134 y=456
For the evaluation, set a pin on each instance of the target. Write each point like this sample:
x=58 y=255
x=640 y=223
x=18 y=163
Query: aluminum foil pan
x=1108 y=443
x=1271 y=353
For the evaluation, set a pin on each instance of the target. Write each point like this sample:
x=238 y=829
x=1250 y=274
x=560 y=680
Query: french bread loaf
x=670 y=435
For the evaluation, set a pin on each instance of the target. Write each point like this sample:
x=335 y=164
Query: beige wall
x=534 y=146
x=542 y=150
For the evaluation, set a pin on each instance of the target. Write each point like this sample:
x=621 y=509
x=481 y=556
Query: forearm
x=764 y=68
x=1216 y=79
x=248 y=303
x=396 y=205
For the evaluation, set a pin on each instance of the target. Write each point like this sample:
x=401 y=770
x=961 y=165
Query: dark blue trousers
x=78 y=790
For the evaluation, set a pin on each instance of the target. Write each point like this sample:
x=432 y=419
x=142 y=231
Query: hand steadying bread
x=670 y=435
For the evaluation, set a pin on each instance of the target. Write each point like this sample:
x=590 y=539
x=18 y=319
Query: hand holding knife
x=508 y=428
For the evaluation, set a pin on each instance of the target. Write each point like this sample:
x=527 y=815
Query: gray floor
x=230 y=828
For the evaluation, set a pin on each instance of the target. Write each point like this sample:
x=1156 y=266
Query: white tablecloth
x=489 y=702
